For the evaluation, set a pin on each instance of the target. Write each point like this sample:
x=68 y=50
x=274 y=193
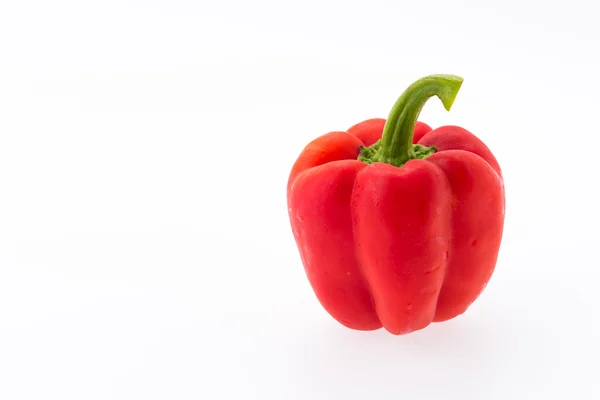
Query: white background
x=145 y=250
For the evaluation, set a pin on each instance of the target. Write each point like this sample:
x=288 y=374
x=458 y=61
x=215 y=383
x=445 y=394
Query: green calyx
x=396 y=144
x=369 y=154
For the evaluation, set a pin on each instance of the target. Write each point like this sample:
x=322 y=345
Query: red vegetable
x=398 y=225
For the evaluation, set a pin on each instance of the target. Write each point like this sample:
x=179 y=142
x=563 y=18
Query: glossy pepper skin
x=398 y=225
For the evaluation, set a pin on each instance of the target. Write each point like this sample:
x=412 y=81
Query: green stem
x=396 y=145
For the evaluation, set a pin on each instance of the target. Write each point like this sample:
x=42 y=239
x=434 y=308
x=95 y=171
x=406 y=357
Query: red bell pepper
x=398 y=225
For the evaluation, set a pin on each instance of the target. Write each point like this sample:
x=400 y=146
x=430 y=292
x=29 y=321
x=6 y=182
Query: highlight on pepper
x=398 y=225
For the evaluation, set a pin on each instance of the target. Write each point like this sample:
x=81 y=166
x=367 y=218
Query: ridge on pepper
x=398 y=225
